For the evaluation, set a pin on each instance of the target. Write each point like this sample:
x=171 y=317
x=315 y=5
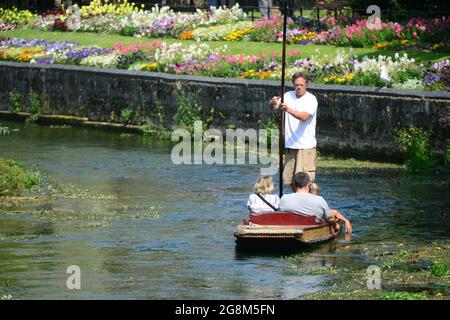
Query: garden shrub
x=15 y=178
x=368 y=78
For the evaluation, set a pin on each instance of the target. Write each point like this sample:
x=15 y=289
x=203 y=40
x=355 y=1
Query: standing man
x=300 y=108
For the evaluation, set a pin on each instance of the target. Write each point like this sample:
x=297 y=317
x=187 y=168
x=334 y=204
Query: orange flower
x=27 y=55
x=186 y=36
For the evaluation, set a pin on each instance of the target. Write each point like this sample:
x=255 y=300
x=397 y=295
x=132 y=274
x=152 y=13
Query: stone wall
x=352 y=120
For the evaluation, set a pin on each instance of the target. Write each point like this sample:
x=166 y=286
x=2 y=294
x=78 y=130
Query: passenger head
x=264 y=185
x=300 y=180
x=314 y=189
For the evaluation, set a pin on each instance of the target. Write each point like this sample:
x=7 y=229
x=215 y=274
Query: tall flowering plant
x=268 y=29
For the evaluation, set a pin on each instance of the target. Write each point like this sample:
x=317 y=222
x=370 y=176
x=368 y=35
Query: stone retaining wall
x=352 y=120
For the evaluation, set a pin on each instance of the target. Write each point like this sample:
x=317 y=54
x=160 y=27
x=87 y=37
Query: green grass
x=240 y=47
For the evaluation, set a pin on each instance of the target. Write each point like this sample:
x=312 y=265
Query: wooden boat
x=282 y=230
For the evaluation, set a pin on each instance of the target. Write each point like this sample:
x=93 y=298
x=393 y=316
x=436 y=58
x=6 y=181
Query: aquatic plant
x=439 y=269
x=403 y=295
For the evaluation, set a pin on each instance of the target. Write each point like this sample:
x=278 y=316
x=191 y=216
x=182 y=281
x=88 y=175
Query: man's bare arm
x=300 y=115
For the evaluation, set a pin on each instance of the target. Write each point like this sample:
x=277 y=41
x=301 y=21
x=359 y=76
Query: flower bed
x=226 y=24
x=344 y=68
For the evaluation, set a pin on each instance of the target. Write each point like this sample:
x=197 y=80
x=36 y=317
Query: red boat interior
x=283 y=219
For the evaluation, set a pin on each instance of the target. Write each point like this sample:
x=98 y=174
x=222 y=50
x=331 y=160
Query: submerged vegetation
x=407 y=273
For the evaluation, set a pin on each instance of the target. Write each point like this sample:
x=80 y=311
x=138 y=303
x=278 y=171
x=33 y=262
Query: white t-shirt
x=300 y=134
x=256 y=205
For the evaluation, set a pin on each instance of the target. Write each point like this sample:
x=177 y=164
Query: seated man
x=305 y=203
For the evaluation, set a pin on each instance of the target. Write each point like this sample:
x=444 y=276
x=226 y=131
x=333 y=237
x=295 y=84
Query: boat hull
x=265 y=234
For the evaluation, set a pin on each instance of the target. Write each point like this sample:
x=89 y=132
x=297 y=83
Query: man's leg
x=309 y=162
x=289 y=165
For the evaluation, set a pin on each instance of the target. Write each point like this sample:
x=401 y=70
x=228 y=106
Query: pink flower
x=414 y=34
x=374 y=37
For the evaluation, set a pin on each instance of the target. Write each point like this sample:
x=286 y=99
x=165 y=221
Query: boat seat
x=283 y=219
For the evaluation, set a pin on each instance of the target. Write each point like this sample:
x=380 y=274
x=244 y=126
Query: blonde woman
x=263 y=200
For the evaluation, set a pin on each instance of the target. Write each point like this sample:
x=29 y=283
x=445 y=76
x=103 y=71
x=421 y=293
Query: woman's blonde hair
x=314 y=188
x=264 y=185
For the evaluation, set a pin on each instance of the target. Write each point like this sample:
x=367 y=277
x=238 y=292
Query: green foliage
x=403 y=295
x=15 y=101
x=270 y=125
x=439 y=269
x=16 y=16
x=126 y=114
x=402 y=76
x=15 y=178
x=35 y=103
x=128 y=31
x=189 y=111
x=416 y=142
x=367 y=78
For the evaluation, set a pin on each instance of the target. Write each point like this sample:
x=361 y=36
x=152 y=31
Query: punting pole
x=283 y=72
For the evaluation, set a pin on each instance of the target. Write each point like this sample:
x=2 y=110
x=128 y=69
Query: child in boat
x=315 y=189
x=263 y=200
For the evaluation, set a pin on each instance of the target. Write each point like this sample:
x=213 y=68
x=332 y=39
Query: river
x=166 y=231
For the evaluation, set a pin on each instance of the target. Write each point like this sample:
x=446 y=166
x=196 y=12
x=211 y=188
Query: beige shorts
x=299 y=160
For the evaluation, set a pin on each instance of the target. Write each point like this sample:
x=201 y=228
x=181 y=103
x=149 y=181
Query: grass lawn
x=239 y=47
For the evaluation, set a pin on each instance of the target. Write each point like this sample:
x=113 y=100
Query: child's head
x=264 y=185
x=314 y=189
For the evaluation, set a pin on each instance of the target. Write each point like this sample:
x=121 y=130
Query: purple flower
x=74 y=56
x=48 y=60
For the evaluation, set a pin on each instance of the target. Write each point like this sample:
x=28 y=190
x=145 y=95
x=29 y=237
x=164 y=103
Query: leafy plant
x=128 y=31
x=416 y=142
x=188 y=112
x=15 y=178
x=368 y=78
x=148 y=126
x=126 y=114
x=439 y=269
x=403 y=295
x=35 y=103
x=15 y=101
